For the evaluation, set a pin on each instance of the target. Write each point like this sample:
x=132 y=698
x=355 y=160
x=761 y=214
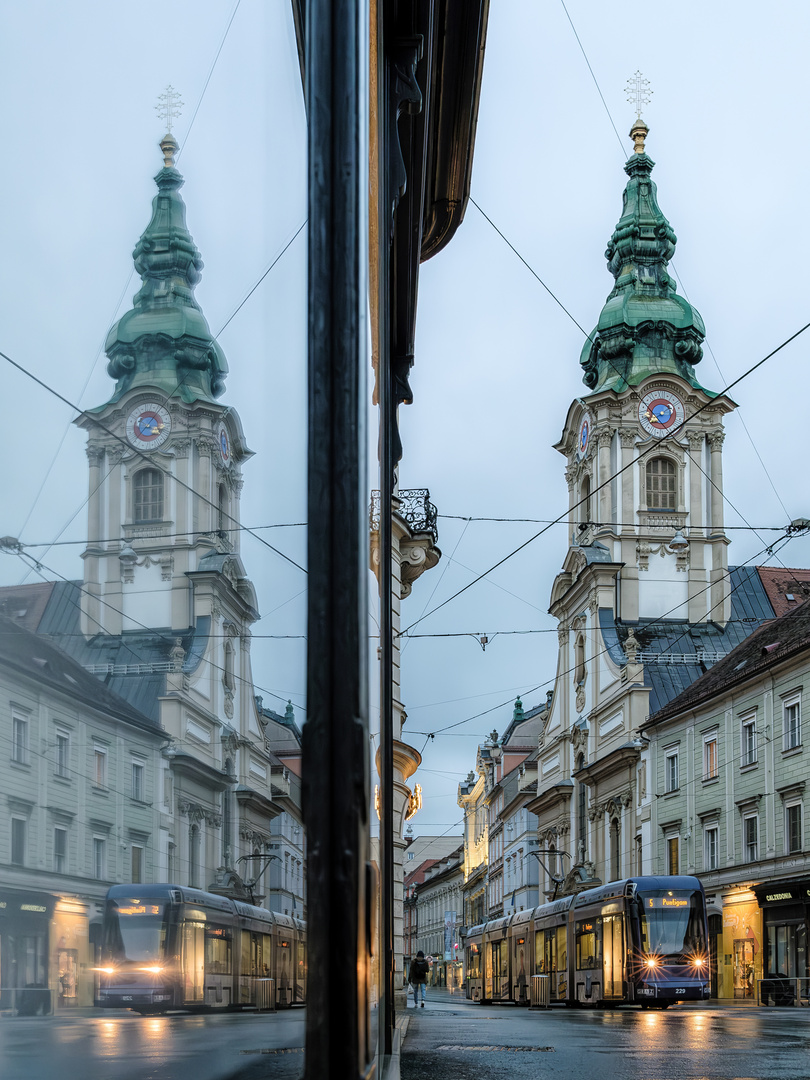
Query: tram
x=170 y=947
x=642 y=941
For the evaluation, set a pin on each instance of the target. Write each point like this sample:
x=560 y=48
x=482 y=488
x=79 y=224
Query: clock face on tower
x=584 y=437
x=149 y=426
x=659 y=412
x=224 y=444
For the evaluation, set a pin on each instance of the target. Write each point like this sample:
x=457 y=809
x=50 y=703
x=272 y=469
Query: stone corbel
x=418 y=554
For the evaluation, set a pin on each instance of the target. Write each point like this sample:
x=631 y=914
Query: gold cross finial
x=638 y=92
x=169 y=106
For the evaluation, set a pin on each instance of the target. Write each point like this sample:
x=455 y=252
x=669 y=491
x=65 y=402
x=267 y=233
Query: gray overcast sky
x=497 y=359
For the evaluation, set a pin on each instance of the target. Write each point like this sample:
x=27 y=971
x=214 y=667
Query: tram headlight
x=105 y=970
x=651 y=962
x=156 y=970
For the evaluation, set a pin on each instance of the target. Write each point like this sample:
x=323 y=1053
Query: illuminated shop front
x=45 y=962
x=785 y=912
x=739 y=950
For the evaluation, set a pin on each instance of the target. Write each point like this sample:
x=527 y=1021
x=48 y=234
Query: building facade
x=730 y=774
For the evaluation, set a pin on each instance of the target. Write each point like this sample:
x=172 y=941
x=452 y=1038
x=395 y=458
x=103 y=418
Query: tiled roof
x=786 y=587
x=38 y=658
x=676 y=653
x=774 y=641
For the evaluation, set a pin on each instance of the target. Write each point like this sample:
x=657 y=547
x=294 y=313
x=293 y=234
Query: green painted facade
x=644 y=328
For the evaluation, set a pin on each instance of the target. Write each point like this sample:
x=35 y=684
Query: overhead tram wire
x=602 y=652
x=631 y=464
x=168 y=640
x=124 y=290
x=672 y=264
x=145 y=457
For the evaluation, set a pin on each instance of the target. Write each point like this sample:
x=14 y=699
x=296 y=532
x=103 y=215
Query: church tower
x=644 y=447
x=645 y=598
x=166 y=604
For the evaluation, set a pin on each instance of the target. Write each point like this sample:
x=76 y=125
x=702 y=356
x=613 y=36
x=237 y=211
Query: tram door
x=500 y=969
x=193 y=961
x=612 y=956
x=559 y=980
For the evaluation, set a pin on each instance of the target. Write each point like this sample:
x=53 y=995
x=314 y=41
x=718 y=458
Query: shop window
x=147 y=493
x=710 y=757
x=792 y=724
x=710 y=835
x=748 y=742
x=671 y=771
x=793 y=828
x=661 y=484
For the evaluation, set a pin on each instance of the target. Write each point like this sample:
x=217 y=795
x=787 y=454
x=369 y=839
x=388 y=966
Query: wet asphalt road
x=124 y=1046
x=458 y=1041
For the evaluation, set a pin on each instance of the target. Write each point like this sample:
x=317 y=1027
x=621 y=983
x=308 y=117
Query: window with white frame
x=19 y=740
x=751 y=838
x=100 y=766
x=792 y=722
x=671 y=771
x=99 y=858
x=136 y=863
x=793 y=827
x=710 y=835
x=60 y=850
x=137 y=790
x=748 y=741
x=18 y=829
x=62 y=753
x=710 y=756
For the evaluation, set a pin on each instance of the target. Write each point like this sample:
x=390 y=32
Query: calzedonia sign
x=789 y=892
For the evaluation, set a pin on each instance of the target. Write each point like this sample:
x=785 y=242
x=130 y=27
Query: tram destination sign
x=666 y=902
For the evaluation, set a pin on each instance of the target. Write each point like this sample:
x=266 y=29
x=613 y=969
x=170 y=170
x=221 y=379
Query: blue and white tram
x=170 y=947
x=639 y=941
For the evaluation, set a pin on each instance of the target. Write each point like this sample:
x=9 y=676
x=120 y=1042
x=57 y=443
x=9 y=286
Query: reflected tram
x=170 y=947
x=641 y=941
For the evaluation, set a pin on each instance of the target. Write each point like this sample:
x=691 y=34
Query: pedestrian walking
x=417 y=976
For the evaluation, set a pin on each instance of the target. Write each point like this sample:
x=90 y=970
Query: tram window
x=562 y=948
x=588 y=943
x=473 y=962
x=217 y=950
x=539 y=953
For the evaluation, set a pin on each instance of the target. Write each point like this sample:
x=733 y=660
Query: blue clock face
x=660 y=412
x=148 y=426
x=224 y=444
x=584 y=437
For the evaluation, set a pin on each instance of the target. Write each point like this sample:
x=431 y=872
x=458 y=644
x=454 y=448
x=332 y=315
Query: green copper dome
x=165 y=341
x=645 y=328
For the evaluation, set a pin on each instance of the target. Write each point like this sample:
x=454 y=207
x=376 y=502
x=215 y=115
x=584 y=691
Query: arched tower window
x=223 y=516
x=227 y=677
x=661 y=484
x=579 y=660
x=147 y=493
x=585 y=500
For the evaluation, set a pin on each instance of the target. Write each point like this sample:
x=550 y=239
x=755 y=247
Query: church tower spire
x=164 y=342
x=645 y=328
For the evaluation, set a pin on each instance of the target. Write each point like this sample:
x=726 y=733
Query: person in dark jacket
x=417 y=976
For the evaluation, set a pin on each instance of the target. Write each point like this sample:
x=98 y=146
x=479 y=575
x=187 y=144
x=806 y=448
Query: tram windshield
x=671 y=924
x=135 y=930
